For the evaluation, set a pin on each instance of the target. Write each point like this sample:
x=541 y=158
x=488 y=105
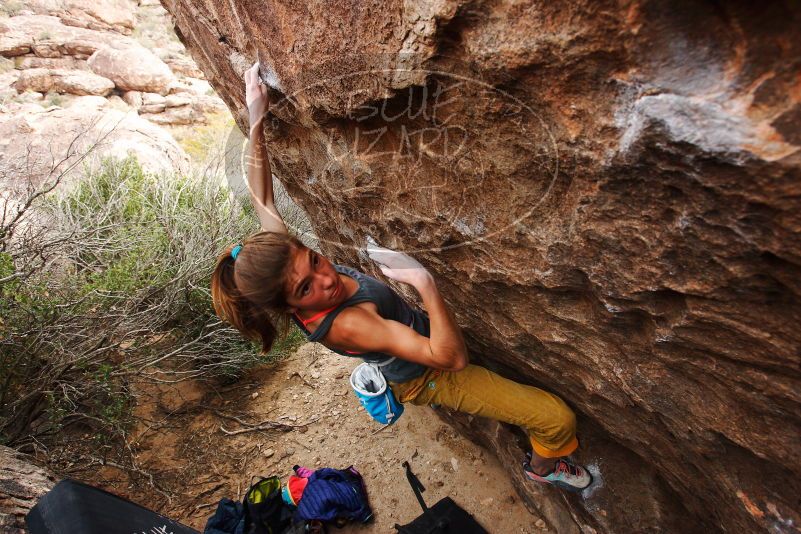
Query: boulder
x=46 y=142
x=46 y=36
x=153 y=99
x=8 y=79
x=133 y=98
x=82 y=83
x=174 y=101
x=40 y=80
x=152 y=103
x=22 y=483
x=64 y=62
x=208 y=104
x=174 y=116
x=115 y=102
x=608 y=197
x=152 y=108
x=183 y=65
x=103 y=15
x=132 y=68
x=63 y=81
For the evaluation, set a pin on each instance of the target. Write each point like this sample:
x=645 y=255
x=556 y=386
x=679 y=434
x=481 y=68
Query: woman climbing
x=272 y=278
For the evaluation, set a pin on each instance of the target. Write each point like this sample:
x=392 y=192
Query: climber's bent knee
x=558 y=438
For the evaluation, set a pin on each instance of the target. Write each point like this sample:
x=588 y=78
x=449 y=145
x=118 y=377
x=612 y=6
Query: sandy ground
x=186 y=445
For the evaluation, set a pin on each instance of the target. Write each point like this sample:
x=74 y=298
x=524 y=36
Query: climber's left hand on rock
x=256 y=97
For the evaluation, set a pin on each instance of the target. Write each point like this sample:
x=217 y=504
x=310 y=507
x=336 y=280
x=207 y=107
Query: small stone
x=315 y=375
x=455 y=464
x=540 y=524
x=290 y=451
x=254 y=394
x=268 y=453
x=303 y=429
x=487 y=501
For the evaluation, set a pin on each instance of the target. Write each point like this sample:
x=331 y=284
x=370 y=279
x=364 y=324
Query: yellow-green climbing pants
x=550 y=423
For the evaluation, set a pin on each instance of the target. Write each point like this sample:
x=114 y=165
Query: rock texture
x=609 y=195
x=39 y=144
x=57 y=50
x=132 y=69
x=22 y=483
x=82 y=47
x=102 y=15
x=74 y=82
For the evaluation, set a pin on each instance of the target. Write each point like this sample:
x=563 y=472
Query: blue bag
x=375 y=394
x=334 y=494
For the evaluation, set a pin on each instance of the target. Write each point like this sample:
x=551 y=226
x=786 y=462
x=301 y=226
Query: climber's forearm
x=447 y=343
x=260 y=181
x=258 y=165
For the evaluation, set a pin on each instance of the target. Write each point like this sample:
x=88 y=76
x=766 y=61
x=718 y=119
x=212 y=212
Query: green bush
x=128 y=283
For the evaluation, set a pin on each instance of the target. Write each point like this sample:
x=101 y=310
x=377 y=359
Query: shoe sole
x=559 y=484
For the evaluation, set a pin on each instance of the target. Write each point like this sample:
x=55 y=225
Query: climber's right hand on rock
x=256 y=97
x=400 y=266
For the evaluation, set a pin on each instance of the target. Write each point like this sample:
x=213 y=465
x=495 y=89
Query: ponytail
x=248 y=292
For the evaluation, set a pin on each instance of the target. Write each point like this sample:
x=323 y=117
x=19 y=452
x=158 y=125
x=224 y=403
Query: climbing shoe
x=565 y=475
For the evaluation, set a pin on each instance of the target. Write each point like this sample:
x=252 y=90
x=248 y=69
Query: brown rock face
x=609 y=196
x=22 y=483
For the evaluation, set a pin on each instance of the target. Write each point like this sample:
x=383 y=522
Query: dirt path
x=191 y=456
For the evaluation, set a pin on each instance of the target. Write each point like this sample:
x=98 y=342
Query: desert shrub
x=115 y=291
x=11 y=8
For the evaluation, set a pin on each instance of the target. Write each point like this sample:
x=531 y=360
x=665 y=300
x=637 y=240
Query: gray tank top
x=390 y=306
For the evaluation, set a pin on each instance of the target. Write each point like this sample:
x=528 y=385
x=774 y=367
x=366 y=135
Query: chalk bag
x=375 y=394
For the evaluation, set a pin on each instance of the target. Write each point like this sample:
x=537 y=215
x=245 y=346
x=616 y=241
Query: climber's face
x=312 y=283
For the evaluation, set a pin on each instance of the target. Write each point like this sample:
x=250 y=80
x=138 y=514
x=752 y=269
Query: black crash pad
x=73 y=507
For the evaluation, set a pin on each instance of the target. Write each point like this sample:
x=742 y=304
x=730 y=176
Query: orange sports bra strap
x=313 y=318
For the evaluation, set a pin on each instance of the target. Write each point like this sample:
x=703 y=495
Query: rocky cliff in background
x=105 y=75
x=609 y=196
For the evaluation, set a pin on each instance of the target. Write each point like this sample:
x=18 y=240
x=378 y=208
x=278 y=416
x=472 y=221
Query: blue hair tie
x=235 y=251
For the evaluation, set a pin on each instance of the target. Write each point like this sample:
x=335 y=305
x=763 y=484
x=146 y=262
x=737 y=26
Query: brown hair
x=249 y=292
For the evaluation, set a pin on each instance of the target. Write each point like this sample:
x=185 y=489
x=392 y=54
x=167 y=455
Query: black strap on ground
x=416 y=485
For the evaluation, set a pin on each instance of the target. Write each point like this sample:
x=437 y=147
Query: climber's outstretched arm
x=260 y=180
